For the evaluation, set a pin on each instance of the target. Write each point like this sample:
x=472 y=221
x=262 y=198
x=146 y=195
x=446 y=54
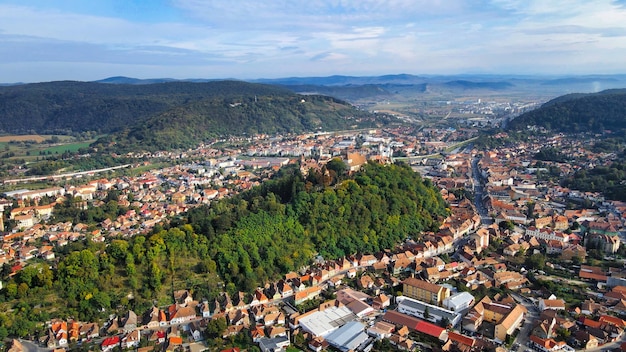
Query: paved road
x=479 y=192
x=29 y=346
x=71 y=174
x=532 y=317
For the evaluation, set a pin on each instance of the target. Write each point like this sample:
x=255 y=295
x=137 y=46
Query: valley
x=436 y=223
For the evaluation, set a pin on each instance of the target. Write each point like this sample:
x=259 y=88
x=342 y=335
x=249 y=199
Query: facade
x=425 y=291
x=426 y=311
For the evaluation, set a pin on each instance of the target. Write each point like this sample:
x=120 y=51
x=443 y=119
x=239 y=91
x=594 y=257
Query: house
x=276 y=344
x=195 y=330
x=131 y=339
x=307 y=294
x=381 y=330
x=90 y=330
x=504 y=316
x=366 y=282
x=546 y=345
x=128 y=322
x=110 y=343
x=183 y=297
x=318 y=344
x=174 y=342
x=462 y=342
x=205 y=309
x=555 y=304
x=59 y=332
x=381 y=302
x=179 y=315
x=151 y=318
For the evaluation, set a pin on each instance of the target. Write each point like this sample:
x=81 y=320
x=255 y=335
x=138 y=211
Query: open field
x=22 y=138
x=72 y=147
x=28 y=147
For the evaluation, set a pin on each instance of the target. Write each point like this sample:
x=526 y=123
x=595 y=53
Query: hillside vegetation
x=57 y=107
x=171 y=114
x=215 y=117
x=279 y=226
x=578 y=113
x=247 y=240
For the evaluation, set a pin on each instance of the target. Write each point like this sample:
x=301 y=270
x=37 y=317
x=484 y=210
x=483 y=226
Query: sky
x=46 y=40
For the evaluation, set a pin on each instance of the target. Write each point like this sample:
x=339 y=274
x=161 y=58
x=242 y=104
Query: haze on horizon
x=89 y=40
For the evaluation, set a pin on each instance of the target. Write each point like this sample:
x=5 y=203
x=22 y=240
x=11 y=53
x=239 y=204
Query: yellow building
x=424 y=291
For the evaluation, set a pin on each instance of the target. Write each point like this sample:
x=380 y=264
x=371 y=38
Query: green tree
x=216 y=327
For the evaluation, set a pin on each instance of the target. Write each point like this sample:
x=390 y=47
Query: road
x=29 y=346
x=71 y=174
x=479 y=192
x=530 y=320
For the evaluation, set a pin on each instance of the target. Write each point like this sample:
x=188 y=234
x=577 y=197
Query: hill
x=572 y=113
x=206 y=119
x=236 y=244
x=69 y=106
x=168 y=114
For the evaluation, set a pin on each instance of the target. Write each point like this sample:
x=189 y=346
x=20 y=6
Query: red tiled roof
x=400 y=319
x=111 y=341
x=461 y=339
x=612 y=320
x=429 y=329
x=591 y=323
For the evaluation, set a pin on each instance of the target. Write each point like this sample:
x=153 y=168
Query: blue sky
x=43 y=40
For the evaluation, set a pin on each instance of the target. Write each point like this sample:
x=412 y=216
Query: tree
x=22 y=290
x=4 y=333
x=426 y=313
x=338 y=166
x=216 y=327
x=506 y=225
x=536 y=261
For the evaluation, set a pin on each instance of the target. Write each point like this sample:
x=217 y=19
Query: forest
x=236 y=244
x=169 y=115
x=574 y=113
x=54 y=107
x=208 y=119
x=607 y=180
x=279 y=226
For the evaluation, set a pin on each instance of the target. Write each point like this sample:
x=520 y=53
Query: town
x=520 y=264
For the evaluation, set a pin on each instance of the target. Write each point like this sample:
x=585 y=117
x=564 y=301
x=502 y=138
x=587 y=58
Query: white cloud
x=295 y=37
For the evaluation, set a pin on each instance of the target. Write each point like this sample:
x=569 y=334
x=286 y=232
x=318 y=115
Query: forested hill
x=572 y=113
x=245 y=242
x=279 y=226
x=205 y=119
x=167 y=114
x=90 y=106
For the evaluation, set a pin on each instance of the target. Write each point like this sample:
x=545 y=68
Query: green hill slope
x=207 y=119
x=169 y=115
x=87 y=106
x=578 y=113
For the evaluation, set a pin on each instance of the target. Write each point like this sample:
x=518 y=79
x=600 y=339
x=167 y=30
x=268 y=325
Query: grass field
x=72 y=147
